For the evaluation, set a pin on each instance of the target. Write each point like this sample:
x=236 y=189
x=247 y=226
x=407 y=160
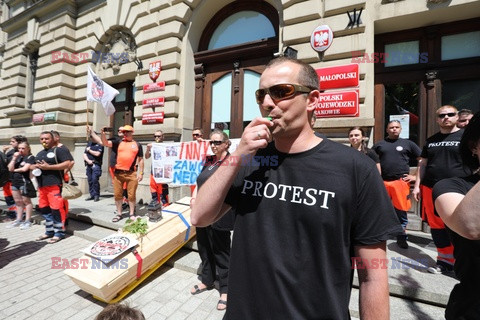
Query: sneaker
x=439 y=269
x=14 y=224
x=25 y=225
x=402 y=242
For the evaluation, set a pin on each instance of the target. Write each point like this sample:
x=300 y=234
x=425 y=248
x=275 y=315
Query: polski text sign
x=153 y=117
x=337 y=104
x=153 y=87
x=153 y=102
x=338 y=76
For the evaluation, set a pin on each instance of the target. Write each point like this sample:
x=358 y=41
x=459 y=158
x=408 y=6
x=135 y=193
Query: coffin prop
x=117 y=264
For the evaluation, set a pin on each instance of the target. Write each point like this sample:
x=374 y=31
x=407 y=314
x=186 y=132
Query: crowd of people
x=284 y=217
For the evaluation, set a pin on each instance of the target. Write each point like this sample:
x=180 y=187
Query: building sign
x=337 y=104
x=338 y=76
x=153 y=102
x=153 y=87
x=43 y=117
x=321 y=38
x=37 y=118
x=153 y=117
x=154 y=70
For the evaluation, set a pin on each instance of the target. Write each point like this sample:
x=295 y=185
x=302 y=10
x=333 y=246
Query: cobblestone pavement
x=31 y=289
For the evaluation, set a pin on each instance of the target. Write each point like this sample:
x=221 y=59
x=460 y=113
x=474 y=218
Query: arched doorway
x=233 y=50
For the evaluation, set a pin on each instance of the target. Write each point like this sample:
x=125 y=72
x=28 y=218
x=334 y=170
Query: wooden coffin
x=163 y=238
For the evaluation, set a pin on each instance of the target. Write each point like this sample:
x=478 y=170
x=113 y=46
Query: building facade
x=413 y=56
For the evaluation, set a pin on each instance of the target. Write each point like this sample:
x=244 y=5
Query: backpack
x=4 y=173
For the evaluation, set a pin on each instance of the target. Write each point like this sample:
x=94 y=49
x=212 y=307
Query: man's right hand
x=255 y=136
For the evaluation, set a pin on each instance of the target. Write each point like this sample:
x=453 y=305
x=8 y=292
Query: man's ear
x=313 y=100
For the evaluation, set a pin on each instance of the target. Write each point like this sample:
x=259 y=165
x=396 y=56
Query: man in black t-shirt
x=395 y=156
x=308 y=211
x=93 y=157
x=440 y=159
x=52 y=161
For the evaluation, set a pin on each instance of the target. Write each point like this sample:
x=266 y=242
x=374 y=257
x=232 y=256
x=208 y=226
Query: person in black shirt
x=307 y=210
x=7 y=188
x=396 y=154
x=93 y=157
x=22 y=187
x=457 y=202
x=52 y=161
x=214 y=240
x=440 y=159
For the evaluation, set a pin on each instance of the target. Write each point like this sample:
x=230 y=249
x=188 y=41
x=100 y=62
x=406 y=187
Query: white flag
x=99 y=91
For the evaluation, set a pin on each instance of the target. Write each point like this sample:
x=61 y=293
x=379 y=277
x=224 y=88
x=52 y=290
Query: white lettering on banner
x=294 y=194
x=444 y=144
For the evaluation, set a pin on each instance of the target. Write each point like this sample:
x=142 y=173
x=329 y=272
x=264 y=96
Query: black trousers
x=214 y=250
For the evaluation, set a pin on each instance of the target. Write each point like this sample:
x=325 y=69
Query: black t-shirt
x=211 y=165
x=443 y=158
x=298 y=217
x=372 y=155
x=19 y=178
x=95 y=147
x=52 y=177
x=395 y=156
x=9 y=156
x=465 y=297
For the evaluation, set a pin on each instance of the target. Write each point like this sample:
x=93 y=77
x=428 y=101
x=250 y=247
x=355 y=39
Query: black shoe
x=89 y=198
x=125 y=206
x=153 y=204
x=96 y=199
x=402 y=242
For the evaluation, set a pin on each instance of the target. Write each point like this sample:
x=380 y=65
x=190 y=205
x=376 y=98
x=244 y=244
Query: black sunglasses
x=214 y=142
x=196 y=134
x=450 y=114
x=158 y=136
x=280 y=91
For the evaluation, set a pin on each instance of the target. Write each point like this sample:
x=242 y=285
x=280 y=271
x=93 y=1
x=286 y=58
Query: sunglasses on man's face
x=450 y=114
x=280 y=92
x=158 y=136
x=196 y=134
x=214 y=142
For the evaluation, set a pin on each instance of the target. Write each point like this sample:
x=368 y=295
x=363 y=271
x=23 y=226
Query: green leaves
x=138 y=226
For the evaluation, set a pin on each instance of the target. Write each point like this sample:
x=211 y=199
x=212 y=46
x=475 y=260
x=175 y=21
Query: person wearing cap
x=159 y=191
x=129 y=158
x=112 y=158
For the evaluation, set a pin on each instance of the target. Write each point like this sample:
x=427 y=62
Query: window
x=32 y=66
x=468 y=42
x=402 y=53
x=241 y=27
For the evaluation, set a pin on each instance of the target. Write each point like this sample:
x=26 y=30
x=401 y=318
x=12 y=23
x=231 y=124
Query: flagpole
x=88 y=102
